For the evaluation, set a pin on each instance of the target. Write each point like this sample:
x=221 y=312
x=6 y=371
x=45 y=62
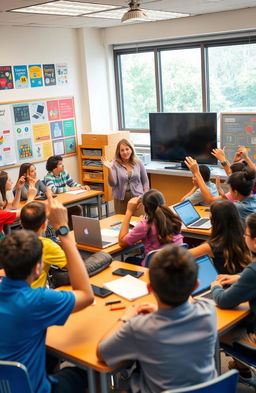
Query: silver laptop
x=87 y=231
x=190 y=217
x=206 y=275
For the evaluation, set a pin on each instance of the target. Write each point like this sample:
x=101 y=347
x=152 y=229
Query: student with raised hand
x=195 y=195
x=226 y=245
x=127 y=176
x=221 y=157
x=26 y=313
x=28 y=171
x=159 y=227
x=243 y=289
x=241 y=186
x=5 y=186
x=172 y=340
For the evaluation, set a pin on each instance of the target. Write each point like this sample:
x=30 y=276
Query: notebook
x=206 y=275
x=190 y=217
x=87 y=231
x=128 y=287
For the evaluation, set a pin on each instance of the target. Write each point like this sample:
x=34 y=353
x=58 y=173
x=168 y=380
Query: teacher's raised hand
x=107 y=163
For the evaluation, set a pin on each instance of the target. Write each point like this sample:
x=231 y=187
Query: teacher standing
x=127 y=177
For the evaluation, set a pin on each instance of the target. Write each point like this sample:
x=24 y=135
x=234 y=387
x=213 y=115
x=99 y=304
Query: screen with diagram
x=36 y=129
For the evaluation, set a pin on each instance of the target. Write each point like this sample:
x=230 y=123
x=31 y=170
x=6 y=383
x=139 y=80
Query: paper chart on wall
x=7 y=150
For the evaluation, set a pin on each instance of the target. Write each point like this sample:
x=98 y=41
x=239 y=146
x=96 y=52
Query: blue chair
x=225 y=383
x=151 y=253
x=14 y=378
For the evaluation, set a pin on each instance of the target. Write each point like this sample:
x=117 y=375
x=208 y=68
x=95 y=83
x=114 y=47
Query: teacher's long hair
x=166 y=222
x=118 y=158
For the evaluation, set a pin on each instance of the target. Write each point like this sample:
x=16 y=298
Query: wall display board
x=238 y=129
x=33 y=130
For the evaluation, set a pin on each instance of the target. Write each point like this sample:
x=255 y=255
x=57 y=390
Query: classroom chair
x=225 y=383
x=151 y=253
x=14 y=378
x=90 y=204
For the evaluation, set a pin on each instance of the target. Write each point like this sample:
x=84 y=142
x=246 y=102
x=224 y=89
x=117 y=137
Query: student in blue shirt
x=26 y=313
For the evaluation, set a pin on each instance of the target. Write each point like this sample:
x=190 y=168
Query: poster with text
x=70 y=145
x=56 y=129
x=66 y=108
x=47 y=149
x=6 y=78
x=21 y=113
x=22 y=131
x=69 y=127
x=7 y=148
x=38 y=112
x=62 y=73
x=35 y=75
x=25 y=151
x=21 y=76
x=41 y=132
x=53 y=110
x=38 y=150
x=49 y=74
x=58 y=147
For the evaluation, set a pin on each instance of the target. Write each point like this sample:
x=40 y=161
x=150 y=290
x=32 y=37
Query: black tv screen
x=174 y=136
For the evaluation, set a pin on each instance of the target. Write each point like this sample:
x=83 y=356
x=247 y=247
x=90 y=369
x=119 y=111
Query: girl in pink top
x=160 y=226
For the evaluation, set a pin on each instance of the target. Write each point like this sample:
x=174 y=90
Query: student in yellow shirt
x=33 y=217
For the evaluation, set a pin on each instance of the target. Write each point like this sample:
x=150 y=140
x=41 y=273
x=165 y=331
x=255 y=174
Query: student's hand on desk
x=130 y=312
x=85 y=187
x=216 y=283
x=146 y=308
x=227 y=279
x=219 y=154
x=192 y=164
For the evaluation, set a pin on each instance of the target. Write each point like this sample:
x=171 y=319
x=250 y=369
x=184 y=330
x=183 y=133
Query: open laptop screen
x=186 y=212
x=206 y=274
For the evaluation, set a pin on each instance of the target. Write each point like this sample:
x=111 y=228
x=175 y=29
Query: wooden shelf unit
x=93 y=147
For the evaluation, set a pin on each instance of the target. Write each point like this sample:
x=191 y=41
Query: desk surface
x=77 y=340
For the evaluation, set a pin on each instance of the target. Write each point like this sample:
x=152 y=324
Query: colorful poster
x=58 y=147
x=49 y=74
x=21 y=113
x=23 y=131
x=62 y=74
x=7 y=147
x=21 y=76
x=47 y=149
x=6 y=78
x=56 y=129
x=38 y=151
x=35 y=75
x=41 y=132
x=38 y=112
x=24 y=149
x=70 y=145
x=66 y=108
x=69 y=127
x=53 y=110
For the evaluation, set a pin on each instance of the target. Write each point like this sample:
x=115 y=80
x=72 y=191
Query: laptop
x=87 y=231
x=39 y=111
x=206 y=275
x=190 y=217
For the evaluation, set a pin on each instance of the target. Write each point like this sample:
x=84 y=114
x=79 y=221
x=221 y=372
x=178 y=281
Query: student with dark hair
x=243 y=289
x=160 y=226
x=241 y=186
x=26 y=313
x=5 y=186
x=28 y=171
x=195 y=195
x=172 y=341
x=127 y=176
x=33 y=217
x=226 y=245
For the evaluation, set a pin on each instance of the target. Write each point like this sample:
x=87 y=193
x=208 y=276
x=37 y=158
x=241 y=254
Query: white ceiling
x=193 y=7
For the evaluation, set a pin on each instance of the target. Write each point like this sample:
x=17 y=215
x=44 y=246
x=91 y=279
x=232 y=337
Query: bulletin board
x=238 y=129
x=34 y=130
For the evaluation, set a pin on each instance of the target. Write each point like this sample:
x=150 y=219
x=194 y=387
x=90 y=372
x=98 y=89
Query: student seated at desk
x=226 y=245
x=26 y=313
x=33 y=217
x=241 y=187
x=5 y=186
x=160 y=226
x=28 y=171
x=195 y=195
x=243 y=289
x=173 y=342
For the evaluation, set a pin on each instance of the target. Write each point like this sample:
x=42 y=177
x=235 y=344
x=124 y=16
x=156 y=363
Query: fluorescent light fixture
x=62 y=7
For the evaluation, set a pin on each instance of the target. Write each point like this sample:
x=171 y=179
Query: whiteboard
x=33 y=130
x=238 y=129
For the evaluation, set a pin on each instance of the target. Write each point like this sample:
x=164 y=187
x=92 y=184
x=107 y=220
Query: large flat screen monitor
x=174 y=136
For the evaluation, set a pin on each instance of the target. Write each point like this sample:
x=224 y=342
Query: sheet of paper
x=74 y=192
x=109 y=232
x=128 y=287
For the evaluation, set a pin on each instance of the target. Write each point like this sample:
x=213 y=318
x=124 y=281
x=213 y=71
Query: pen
x=117 y=308
x=116 y=223
x=114 y=302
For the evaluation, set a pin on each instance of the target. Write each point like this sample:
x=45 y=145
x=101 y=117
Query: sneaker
x=249 y=381
x=244 y=372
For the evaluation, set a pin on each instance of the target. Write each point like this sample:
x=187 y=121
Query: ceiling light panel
x=68 y=8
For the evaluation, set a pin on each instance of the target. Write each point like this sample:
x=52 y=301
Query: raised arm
x=109 y=165
x=221 y=157
x=16 y=201
x=244 y=153
x=57 y=215
x=131 y=208
x=193 y=167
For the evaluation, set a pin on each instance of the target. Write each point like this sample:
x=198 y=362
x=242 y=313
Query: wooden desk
x=115 y=249
x=77 y=340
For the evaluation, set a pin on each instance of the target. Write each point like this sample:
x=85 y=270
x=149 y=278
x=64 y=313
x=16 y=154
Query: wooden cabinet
x=90 y=151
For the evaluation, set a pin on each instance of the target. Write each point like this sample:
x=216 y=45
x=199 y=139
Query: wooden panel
x=173 y=187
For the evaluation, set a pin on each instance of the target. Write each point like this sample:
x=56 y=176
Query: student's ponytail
x=243 y=181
